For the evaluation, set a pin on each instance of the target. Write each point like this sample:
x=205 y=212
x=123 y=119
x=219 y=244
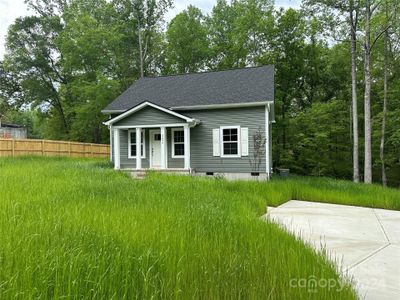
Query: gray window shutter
x=216 y=142
x=244 y=141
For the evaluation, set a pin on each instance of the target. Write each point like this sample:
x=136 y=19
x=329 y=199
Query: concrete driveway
x=364 y=242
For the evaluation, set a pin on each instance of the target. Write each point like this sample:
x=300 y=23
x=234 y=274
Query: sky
x=12 y=9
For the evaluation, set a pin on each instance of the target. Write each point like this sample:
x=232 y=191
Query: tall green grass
x=77 y=229
x=279 y=191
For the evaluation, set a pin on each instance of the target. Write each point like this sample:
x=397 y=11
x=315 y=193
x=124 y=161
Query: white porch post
x=111 y=143
x=117 y=150
x=186 y=137
x=163 y=147
x=138 y=148
x=267 y=144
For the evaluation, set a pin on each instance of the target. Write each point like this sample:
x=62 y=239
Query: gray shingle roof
x=209 y=88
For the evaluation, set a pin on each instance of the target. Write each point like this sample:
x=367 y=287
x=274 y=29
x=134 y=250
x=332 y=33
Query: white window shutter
x=216 y=142
x=244 y=141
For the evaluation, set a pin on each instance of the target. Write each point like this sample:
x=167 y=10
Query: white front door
x=155 y=149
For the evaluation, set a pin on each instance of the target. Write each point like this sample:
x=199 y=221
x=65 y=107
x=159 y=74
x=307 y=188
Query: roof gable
x=248 y=85
x=144 y=105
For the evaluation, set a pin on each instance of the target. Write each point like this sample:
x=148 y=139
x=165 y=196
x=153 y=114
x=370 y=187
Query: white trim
x=151 y=132
x=267 y=144
x=221 y=139
x=216 y=106
x=150 y=126
x=205 y=106
x=108 y=111
x=130 y=156
x=143 y=105
x=139 y=148
x=186 y=138
x=117 y=150
x=111 y=144
x=173 y=142
x=163 y=145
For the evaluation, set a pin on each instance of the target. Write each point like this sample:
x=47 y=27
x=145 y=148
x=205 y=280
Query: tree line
x=337 y=69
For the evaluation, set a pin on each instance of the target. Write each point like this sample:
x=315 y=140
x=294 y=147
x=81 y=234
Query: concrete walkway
x=364 y=242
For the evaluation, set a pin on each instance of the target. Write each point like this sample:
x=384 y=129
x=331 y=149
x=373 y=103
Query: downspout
x=267 y=143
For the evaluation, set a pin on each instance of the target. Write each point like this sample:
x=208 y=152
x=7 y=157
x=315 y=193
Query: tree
x=147 y=16
x=388 y=21
x=289 y=49
x=371 y=36
x=240 y=32
x=332 y=10
x=319 y=145
x=367 y=45
x=384 y=113
x=188 y=46
x=353 y=10
x=34 y=62
x=91 y=47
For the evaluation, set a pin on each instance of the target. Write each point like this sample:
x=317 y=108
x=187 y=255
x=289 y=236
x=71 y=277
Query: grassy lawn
x=279 y=191
x=77 y=229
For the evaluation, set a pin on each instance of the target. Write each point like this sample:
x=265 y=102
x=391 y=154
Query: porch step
x=139 y=175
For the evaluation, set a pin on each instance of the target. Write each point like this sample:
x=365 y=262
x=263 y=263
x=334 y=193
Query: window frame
x=221 y=141
x=173 y=130
x=134 y=143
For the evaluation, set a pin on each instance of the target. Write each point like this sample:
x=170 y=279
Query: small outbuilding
x=12 y=131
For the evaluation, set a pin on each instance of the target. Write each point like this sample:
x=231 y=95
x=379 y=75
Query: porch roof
x=143 y=105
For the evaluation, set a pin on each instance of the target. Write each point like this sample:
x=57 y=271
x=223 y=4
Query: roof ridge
x=205 y=72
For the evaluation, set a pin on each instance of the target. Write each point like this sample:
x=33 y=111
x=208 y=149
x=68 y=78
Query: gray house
x=202 y=123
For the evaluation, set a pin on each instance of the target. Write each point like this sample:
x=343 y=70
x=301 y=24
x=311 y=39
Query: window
x=132 y=144
x=178 y=143
x=230 y=141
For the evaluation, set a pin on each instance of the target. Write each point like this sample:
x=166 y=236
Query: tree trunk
x=383 y=129
x=367 y=95
x=141 y=58
x=353 y=37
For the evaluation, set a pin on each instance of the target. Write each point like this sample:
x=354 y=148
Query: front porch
x=150 y=137
x=140 y=148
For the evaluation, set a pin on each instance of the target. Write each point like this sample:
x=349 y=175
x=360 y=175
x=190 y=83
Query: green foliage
x=78 y=229
x=94 y=96
x=31 y=120
x=319 y=140
x=188 y=48
x=240 y=32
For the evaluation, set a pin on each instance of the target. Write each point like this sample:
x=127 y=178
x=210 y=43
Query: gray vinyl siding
x=173 y=163
x=202 y=159
x=149 y=116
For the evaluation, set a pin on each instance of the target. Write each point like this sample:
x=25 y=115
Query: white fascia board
x=216 y=106
x=143 y=105
x=110 y=111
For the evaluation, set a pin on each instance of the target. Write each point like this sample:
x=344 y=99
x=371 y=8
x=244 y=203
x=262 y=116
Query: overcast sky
x=12 y=9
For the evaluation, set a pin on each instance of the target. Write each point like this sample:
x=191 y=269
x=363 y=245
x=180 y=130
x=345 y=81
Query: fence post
x=69 y=149
x=91 y=150
x=42 y=147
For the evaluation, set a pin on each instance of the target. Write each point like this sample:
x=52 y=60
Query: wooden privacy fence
x=17 y=147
